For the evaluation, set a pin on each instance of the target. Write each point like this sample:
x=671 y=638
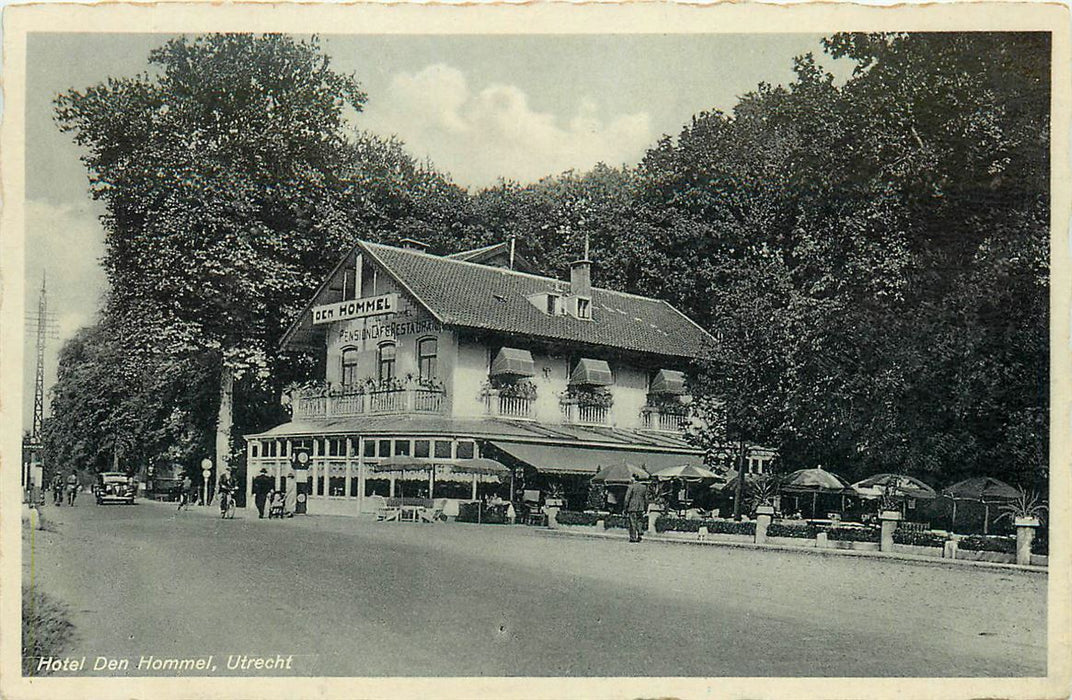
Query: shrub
x=982 y=543
x=1041 y=543
x=46 y=631
x=473 y=513
x=803 y=531
x=621 y=522
x=919 y=539
x=569 y=517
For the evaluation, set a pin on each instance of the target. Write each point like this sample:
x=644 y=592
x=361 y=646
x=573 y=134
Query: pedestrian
x=262 y=486
x=57 y=489
x=291 y=499
x=636 y=505
x=72 y=488
x=187 y=492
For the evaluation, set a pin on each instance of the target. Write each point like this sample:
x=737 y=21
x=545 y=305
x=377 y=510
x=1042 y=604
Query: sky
x=478 y=107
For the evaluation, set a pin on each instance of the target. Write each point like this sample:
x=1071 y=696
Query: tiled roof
x=469 y=295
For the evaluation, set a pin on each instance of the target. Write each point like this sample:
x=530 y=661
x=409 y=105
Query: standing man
x=187 y=489
x=72 y=488
x=262 y=486
x=636 y=506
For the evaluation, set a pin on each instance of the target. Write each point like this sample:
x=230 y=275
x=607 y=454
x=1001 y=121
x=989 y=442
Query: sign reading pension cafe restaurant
x=439 y=360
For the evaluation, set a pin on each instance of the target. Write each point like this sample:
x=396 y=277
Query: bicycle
x=227 y=505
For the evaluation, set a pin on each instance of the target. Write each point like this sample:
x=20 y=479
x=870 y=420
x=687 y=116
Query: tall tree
x=220 y=172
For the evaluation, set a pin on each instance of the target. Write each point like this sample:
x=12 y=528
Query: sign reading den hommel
x=356 y=308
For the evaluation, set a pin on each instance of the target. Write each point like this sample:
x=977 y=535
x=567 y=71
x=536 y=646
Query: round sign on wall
x=301 y=498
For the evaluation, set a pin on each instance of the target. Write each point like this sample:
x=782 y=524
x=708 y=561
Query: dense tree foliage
x=871 y=255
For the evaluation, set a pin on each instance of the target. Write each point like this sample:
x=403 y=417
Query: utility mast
x=45 y=328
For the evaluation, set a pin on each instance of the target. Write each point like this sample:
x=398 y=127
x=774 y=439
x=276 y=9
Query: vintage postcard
x=535 y=350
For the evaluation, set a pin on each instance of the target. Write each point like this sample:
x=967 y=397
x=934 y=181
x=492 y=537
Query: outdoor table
x=410 y=513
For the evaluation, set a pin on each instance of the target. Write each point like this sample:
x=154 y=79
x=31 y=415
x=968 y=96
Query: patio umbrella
x=899 y=485
x=685 y=473
x=815 y=481
x=481 y=466
x=984 y=489
x=750 y=480
x=619 y=474
x=402 y=463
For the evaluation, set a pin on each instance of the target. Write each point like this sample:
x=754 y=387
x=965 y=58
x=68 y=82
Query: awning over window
x=514 y=362
x=589 y=372
x=668 y=381
x=566 y=459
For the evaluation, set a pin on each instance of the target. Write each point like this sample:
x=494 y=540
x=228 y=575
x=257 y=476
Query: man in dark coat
x=262 y=486
x=636 y=507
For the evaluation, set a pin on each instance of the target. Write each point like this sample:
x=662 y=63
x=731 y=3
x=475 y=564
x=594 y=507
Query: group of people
x=280 y=503
x=225 y=489
x=62 y=487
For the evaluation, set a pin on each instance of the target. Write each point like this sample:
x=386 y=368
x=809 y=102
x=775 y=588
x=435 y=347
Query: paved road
x=353 y=597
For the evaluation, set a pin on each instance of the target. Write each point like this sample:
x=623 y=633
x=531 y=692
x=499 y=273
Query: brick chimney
x=581 y=275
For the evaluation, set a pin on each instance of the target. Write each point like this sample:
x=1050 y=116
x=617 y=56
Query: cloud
x=480 y=135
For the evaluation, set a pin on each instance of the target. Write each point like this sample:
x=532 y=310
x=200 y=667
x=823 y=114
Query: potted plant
x=764 y=492
x=1027 y=510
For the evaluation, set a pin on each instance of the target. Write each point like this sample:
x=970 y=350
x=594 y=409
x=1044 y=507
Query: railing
x=407 y=400
x=508 y=406
x=578 y=414
x=654 y=419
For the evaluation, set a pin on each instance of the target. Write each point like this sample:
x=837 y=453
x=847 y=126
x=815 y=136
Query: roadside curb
x=908 y=558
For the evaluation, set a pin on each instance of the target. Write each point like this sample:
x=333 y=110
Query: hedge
x=621 y=522
x=851 y=534
x=804 y=531
x=919 y=539
x=666 y=523
x=569 y=517
x=982 y=543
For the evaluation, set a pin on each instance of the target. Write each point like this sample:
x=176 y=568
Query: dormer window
x=552 y=304
x=584 y=308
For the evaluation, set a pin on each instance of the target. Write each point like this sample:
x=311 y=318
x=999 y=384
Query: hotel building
x=443 y=359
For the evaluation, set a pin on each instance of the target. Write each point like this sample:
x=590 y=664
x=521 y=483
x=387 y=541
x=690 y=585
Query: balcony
x=320 y=406
x=499 y=406
x=661 y=419
x=586 y=414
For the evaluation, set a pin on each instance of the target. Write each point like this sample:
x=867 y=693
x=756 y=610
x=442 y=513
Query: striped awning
x=513 y=362
x=668 y=381
x=589 y=372
x=569 y=459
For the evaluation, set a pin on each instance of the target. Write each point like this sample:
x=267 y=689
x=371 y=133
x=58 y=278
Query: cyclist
x=226 y=487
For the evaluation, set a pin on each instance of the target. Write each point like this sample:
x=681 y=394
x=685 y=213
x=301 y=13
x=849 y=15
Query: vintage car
x=114 y=487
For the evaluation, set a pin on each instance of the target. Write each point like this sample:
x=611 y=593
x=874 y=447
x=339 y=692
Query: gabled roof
x=468 y=295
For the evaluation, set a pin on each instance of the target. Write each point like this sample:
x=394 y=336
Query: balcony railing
x=651 y=418
x=408 y=400
x=500 y=406
x=585 y=414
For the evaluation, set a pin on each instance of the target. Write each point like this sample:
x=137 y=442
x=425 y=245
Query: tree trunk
x=738 y=495
x=224 y=420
